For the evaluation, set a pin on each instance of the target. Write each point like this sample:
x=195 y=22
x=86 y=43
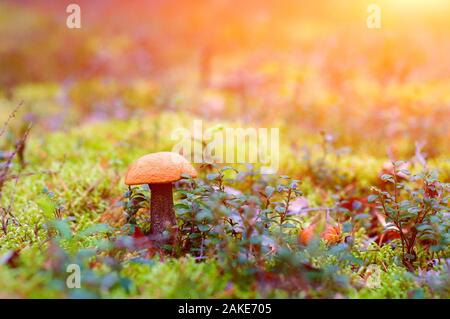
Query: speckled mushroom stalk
x=162 y=215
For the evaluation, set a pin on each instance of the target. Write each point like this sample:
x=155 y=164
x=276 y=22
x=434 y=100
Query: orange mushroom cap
x=157 y=168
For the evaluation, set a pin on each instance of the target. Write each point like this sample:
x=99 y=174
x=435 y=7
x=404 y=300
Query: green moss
x=80 y=174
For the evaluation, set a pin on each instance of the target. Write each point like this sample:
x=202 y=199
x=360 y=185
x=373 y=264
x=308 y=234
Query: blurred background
x=303 y=66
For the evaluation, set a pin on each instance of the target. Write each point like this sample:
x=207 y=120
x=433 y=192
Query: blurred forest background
x=311 y=66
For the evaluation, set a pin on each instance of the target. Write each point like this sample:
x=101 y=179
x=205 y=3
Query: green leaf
x=204 y=215
x=185 y=176
x=269 y=191
x=405 y=171
x=94 y=229
x=143 y=261
x=280 y=209
x=361 y=216
x=182 y=206
x=47 y=206
x=212 y=176
x=372 y=198
x=63 y=228
x=203 y=228
x=398 y=163
x=227 y=168
x=424 y=227
x=347 y=227
x=414 y=210
x=256 y=240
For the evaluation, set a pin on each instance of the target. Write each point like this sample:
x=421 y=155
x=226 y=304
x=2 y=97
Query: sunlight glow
x=418 y=5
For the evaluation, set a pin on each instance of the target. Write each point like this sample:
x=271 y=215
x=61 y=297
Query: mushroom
x=159 y=170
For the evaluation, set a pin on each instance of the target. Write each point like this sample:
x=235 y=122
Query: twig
x=10 y=117
x=4 y=173
x=48 y=172
x=312 y=209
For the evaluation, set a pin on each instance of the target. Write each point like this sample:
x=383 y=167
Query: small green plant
x=135 y=200
x=418 y=210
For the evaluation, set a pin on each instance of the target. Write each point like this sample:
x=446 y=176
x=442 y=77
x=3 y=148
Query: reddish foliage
x=11 y=258
x=307 y=234
x=360 y=205
x=387 y=236
x=431 y=190
x=331 y=234
x=138 y=233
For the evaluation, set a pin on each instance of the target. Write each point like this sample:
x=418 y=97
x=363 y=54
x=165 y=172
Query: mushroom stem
x=162 y=213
